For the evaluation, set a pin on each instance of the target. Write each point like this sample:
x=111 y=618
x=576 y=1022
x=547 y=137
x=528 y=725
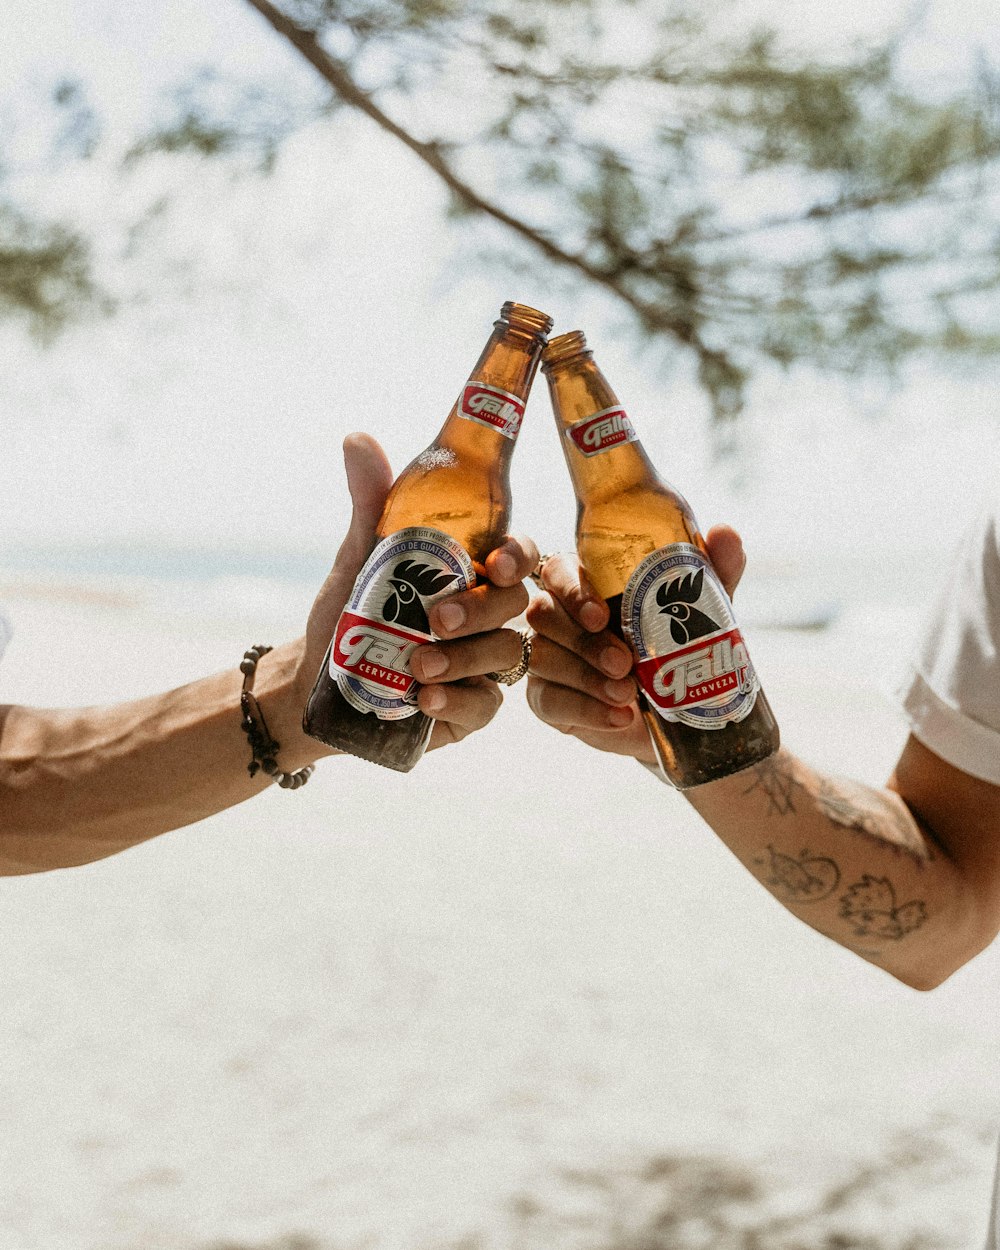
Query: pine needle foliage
x=749 y=204
x=45 y=274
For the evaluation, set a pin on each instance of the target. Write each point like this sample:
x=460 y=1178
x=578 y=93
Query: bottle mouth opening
x=564 y=347
x=521 y=317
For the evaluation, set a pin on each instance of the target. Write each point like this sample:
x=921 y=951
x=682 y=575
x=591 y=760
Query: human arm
x=79 y=784
x=907 y=876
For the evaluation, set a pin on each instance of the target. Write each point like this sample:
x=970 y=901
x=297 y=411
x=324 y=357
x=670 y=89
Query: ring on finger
x=536 y=572
x=508 y=676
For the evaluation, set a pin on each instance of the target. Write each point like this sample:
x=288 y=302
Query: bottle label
x=385 y=619
x=692 y=662
x=608 y=428
x=488 y=405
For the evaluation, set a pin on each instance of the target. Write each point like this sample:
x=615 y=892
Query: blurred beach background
x=520 y=998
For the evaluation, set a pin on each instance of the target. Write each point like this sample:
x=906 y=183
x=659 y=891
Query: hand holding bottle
x=639 y=543
x=441 y=524
x=455 y=693
x=580 y=678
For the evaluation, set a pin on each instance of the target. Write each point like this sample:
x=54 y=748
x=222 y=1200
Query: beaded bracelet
x=262 y=745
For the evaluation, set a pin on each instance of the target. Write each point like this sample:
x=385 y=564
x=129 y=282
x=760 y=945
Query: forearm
x=851 y=861
x=78 y=785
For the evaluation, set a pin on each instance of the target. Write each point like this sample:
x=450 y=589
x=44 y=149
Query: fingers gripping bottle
x=446 y=511
x=640 y=546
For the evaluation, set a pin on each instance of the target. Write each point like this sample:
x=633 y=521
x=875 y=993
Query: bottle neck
x=486 y=419
x=602 y=452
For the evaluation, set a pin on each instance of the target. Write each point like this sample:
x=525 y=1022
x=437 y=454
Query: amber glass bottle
x=446 y=511
x=639 y=543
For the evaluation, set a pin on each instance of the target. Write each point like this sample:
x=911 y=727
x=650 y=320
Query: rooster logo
x=409 y=581
x=676 y=599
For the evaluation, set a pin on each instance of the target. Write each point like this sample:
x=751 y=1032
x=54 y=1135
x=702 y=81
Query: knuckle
x=530 y=554
x=561 y=579
x=547 y=701
x=484 y=703
x=540 y=647
x=592 y=648
x=462 y=658
x=519 y=598
x=457 y=656
x=576 y=597
x=512 y=647
x=524 y=552
x=541 y=612
x=435 y=704
x=417 y=665
x=480 y=607
x=589 y=649
x=593 y=685
x=554 y=567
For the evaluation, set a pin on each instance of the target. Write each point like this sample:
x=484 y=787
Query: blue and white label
x=385 y=619
x=691 y=660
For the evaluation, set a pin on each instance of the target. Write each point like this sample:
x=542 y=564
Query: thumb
x=725 y=550
x=369 y=479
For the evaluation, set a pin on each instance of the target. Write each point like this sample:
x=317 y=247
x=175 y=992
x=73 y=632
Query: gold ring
x=511 y=675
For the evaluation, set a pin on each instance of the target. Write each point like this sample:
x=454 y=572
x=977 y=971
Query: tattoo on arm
x=808 y=879
x=870 y=905
x=883 y=820
x=776 y=780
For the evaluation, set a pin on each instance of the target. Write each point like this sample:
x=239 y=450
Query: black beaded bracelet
x=262 y=745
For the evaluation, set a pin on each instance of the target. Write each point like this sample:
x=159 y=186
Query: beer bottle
x=639 y=543
x=446 y=511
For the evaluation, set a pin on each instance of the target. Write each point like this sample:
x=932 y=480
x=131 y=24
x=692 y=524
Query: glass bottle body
x=613 y=539
x=446 y=511
x=639 y=543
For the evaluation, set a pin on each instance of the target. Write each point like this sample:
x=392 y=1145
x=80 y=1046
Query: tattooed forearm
x=855 y=862
x=776 y=780
x=808 y=879
x=883 y=819
x=791 y=788
x=870 y=905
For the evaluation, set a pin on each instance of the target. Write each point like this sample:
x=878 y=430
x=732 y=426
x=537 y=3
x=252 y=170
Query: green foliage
x=45 y=274
x=748 y=203
x=80 y=129
x=211 y=117
x=638 y=139
x=46 y=266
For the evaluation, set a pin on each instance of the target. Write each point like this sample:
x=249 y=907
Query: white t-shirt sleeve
x=951 y=692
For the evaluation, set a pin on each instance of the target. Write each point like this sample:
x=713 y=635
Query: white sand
x=521 y=998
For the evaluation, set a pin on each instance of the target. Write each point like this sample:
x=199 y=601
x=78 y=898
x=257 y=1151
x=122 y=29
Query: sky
x=334 y=297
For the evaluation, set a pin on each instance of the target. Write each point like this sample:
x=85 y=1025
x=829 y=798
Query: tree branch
x=899 y=197
x=305 y=41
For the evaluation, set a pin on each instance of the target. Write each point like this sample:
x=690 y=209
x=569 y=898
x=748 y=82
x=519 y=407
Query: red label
x=377 y=652
x=490 y=406
x=609 y=428
x=708 y=668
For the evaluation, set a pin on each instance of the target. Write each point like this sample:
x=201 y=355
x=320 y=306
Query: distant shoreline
x=161 y=563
